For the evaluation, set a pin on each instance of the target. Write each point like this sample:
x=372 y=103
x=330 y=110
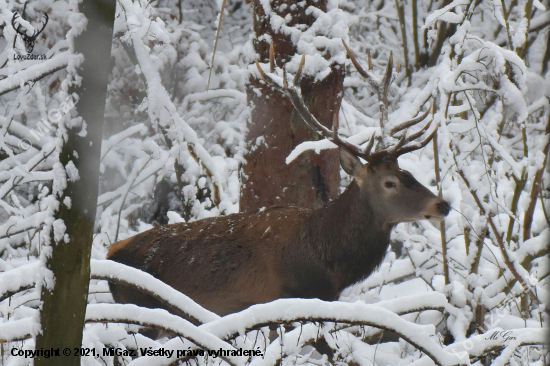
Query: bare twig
x=415 y=34
x=216 y=43
x=130 y=186
x=400 y=6
x=536 y=189
x=16 y=183
x=215 y=189
x=8 y=294
x=442 y=223
x=498 y=238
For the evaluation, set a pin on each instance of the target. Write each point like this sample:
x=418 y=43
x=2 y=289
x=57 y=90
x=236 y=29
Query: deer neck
x=350 y=236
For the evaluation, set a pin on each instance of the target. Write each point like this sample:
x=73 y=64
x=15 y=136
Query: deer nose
x=443 y=207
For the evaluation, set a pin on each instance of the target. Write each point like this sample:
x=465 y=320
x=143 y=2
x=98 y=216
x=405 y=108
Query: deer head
x=393 y=193
x=29 y=40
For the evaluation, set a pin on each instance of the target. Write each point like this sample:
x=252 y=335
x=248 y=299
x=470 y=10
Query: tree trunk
x=63 y=309
x=275 y=129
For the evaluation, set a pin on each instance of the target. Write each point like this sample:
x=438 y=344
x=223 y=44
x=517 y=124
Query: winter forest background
x=177 y=138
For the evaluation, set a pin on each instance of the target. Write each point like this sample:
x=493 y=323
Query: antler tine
x=414 y=147
x=354 y=61
x=262 y=73
x=369 y=146
x=410 y=123
x=314 y=124
x=387 y=77
x=383 y=96
x=15 y=16
x=400 y=143
x=43 y=26
x=335 y=123
x=292 y=93
x=416 y=135
x=400 y=148
x=361 y=71
x=300 y=67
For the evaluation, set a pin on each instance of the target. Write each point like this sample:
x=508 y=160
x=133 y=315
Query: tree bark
x=275 y=129
x=63 y=308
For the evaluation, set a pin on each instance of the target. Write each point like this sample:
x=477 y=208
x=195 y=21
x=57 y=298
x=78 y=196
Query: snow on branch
x=491 y=341
x=160 y=106
x=308 y=312
x=287 y=311
x=305 y=311
x=120 y=273
x=20 y=172
x=440 y=13
x=38 y=71
x=116 y=139
x=18 y=279
x=158 y=318
x=18 y=330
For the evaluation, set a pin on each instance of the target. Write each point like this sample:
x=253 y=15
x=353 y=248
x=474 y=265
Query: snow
x=480 y=343
x=491 y=109
x=317 y=146
x=123 y=313
x=291 y=310
x=443 y=12
x=57 y=62
x=110 y=269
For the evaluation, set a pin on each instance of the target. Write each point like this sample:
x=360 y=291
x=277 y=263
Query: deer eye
x=389 y=184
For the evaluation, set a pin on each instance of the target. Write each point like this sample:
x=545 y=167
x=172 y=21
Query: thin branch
x=498 y=238
x=130 y=186
x=536 y=189
x=216 y=43
x=442 y=223
x=36 y=72
x=15 y=184
x=400 y=5
x=118 y=313
x=8 y=294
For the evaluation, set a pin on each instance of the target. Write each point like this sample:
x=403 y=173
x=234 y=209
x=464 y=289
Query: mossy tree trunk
x=63 y=308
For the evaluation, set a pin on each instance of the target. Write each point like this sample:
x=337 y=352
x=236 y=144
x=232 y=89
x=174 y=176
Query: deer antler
x=291 y=91
x=15 y=15
x=381 y=89
x=293 y=94
x=37 y=33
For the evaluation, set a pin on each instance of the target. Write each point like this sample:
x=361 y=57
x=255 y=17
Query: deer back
x=225 y=263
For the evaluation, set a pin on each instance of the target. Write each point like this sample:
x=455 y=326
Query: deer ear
x=350 y=163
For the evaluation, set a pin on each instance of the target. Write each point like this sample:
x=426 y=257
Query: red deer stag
x=229 y=263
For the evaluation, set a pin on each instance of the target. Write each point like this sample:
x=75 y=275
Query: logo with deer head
x=29 y=40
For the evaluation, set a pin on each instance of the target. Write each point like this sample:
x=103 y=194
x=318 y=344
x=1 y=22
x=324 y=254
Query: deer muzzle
x=437 y=211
